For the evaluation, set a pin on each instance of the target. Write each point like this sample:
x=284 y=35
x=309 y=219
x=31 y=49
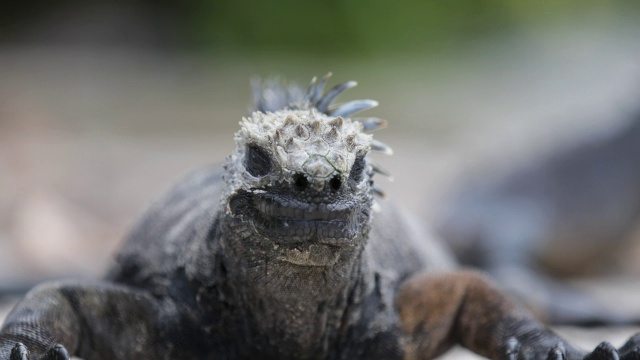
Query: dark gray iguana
x=557 y=214
x=280 y=255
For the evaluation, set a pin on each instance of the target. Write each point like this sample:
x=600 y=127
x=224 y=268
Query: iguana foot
x=514 y=350
x=57 y=352
x=605 y=351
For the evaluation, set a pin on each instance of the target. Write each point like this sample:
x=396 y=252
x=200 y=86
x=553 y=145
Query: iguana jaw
x=288 y=220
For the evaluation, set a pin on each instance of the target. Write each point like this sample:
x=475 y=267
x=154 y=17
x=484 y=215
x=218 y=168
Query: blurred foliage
x=344 y=27
x=378 y=26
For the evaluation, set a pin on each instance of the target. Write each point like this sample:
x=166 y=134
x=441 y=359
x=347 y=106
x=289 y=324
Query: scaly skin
x=282 y=255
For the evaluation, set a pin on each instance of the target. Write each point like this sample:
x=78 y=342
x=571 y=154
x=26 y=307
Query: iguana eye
x=357 y=170
x=257 y=161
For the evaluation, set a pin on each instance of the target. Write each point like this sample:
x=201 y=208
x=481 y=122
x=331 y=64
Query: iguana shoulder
x=176 y=231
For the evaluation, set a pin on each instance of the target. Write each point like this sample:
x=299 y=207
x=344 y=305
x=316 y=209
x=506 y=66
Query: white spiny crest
x=309 y=135
x=305 y=141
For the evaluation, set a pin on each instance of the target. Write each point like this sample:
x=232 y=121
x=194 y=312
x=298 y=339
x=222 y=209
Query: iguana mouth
x=288 y=220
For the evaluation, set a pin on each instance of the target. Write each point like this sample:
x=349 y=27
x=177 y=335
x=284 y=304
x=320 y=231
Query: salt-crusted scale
x=305 y=141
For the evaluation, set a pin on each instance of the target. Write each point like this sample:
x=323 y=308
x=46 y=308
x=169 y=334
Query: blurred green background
x=325 y=28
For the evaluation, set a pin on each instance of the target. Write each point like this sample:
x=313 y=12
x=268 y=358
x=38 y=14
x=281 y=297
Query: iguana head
x=299 y=178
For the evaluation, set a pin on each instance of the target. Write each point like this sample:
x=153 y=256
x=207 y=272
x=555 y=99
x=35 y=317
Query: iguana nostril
x=335 y=183
x=300 y=182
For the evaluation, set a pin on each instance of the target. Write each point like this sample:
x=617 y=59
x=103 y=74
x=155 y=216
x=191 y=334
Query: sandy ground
x=88 y=138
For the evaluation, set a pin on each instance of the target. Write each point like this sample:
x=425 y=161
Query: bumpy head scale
x=304 y=133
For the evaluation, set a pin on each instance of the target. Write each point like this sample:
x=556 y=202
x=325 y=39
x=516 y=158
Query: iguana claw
x=56 y=352
x=556 y=353
x=19 y=352
x=512 y=348
x=631 y=349
x=605 y=351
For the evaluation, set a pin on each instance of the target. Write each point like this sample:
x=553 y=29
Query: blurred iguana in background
x=566 y=213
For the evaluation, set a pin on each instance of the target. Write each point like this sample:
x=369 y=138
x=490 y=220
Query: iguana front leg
x=437 y=311
x=97 y=320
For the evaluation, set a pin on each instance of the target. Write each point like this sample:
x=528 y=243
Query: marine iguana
x=282 y=254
